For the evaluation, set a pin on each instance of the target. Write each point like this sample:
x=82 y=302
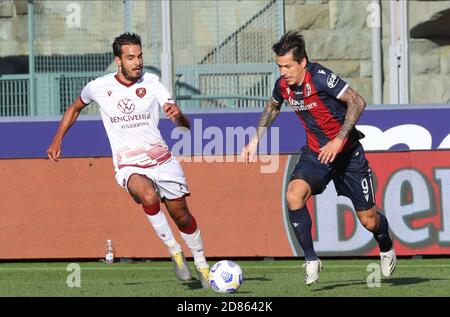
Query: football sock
x=193 y=239
x=163 y=231
x=381 y=234
x=301 y=224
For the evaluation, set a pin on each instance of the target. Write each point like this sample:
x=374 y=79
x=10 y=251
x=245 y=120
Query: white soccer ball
x=225 y=276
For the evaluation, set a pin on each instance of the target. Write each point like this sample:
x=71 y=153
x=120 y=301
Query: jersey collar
x=124 y=83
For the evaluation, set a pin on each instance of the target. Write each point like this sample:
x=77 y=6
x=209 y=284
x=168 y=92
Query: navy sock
x=381 y=234
x=301 y=224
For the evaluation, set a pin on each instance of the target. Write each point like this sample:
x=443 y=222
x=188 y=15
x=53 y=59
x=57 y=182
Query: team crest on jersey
x=126 y=105
x=332 y=80
x=140 y=92
x=308 y=89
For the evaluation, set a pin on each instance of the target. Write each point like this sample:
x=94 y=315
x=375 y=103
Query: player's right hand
x=249 y=151
x=54 y=151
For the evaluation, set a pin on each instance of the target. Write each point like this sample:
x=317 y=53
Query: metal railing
x=227 y=86
x=211 y=86
x=14 y=91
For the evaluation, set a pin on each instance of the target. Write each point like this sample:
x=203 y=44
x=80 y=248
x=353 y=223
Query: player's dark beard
x=128 y=75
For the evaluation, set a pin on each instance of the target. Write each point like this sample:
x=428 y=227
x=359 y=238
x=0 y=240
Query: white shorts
x=168 y=178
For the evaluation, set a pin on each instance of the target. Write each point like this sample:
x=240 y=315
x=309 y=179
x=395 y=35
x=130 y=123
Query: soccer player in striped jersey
x=329 y=110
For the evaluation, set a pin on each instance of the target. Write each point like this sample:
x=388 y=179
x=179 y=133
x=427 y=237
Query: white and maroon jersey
x=130 y=114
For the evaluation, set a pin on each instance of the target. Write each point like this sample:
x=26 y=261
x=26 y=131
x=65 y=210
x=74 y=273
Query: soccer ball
x=225 y=276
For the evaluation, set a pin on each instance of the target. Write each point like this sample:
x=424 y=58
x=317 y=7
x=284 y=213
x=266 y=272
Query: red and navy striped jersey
x=316 y=103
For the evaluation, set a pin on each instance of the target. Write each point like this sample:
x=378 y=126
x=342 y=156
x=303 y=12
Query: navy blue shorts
x=350 y=173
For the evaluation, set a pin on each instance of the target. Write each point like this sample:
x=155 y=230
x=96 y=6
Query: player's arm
x=355 y=107
x=174 y=113
x=268 y=115
x=69 y=117
x=270 y=112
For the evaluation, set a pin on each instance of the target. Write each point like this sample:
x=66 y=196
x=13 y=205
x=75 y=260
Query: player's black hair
x=291 y=41
x=124 y=39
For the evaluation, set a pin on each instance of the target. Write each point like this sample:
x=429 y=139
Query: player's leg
x=143 y=191
x=297 y=195
x=357 y=184
x=377 y=223
x=309 y=177
x=191 y=235
x=173 y=188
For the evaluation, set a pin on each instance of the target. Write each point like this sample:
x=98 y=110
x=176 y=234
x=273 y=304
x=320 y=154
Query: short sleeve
x=330 y=83
x=86 y=96
x=162 y=94
x=276 y=94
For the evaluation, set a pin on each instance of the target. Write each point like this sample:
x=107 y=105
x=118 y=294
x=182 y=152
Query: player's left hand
x=330 y=150
x=172 y=111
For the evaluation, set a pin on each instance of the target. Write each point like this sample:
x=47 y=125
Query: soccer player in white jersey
x=129 y=102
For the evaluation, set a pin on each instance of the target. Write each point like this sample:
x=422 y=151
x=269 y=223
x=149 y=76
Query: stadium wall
x=69 y=209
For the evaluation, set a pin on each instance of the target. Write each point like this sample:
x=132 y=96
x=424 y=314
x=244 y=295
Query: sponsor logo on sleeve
x=332 y=80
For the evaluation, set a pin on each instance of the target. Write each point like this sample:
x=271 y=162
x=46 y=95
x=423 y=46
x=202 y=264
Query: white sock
x=163 y=231
x=195 y=244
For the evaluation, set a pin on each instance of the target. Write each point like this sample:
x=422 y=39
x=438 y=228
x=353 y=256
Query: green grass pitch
x=263 y=278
